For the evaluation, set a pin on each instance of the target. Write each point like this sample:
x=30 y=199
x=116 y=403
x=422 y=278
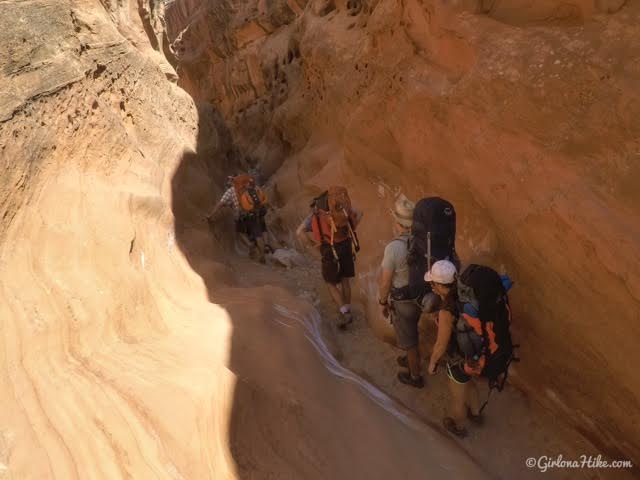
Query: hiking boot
x=345 y=320
x=402 y=361
x=408 y=379
x=450 y=424
x=477 y=419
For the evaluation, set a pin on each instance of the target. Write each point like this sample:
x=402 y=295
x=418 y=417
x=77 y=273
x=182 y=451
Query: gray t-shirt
x=395 y=259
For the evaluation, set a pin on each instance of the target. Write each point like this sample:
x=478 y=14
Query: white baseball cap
x=443 y=271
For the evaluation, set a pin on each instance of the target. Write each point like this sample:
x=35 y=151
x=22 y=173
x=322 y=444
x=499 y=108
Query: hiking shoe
x=402 y=361
x=407 y=379
x=477 y=419
x=345 y=320
x=450 y=424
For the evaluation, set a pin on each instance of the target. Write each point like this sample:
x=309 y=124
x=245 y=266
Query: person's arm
x=304 y=234
x=356 y=217
x=224 y=201
x=216 y=208
x=384 y=283
x=384 y=287
x=445 y=327
x=387 y=270
x=301 y=233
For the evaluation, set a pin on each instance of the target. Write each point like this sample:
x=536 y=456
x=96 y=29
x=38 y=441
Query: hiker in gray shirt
x=405 y=313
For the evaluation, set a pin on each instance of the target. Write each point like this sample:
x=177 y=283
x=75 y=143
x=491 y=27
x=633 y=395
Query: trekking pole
x=486 y=401
x=428 y=251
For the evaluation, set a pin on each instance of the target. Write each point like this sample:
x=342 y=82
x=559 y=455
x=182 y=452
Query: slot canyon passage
x=140 y=342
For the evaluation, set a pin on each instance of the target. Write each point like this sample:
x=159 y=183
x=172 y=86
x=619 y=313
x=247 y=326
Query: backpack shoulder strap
x=406 y=242
x=401 y=240
x=324 y=237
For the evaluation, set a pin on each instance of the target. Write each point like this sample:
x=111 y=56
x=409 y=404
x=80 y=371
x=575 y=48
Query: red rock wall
x=117 y=357
x=526 y=117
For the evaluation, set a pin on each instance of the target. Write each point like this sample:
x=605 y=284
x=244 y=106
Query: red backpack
x=332 y=220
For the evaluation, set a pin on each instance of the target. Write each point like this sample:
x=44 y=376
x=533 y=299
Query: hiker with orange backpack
x=249 y=204
x=473 y=335
x=332 y=225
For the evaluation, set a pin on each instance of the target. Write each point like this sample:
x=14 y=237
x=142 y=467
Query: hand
x=314 y=247
x=432 y=368
x=384 y=309
x=210 y=214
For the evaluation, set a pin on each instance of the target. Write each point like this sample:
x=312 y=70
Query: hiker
x=425 y=232
x=472 y=347
x=464 y=391
x=394 y=298
x=249 y=204
x=332 y=228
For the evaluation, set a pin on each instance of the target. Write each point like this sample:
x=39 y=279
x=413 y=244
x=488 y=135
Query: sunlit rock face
x=105 y=327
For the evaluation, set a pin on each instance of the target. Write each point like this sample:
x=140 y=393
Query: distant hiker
x=396 y=299
x=332 y=224
x=473 y=334
x=249 y=204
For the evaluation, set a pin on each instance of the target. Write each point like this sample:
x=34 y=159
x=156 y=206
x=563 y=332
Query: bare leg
x=265 y=238
x=473 y=397
x=413 y=358
x=346 y=291
x=335 y=294
x=244 y=239
x=260 y=246
x=458 y=404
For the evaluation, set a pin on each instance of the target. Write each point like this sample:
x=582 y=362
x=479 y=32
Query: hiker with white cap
x=465 y=401
x=404 y=312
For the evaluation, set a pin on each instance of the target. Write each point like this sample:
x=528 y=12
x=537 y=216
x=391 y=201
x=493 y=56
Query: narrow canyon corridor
x=140 y=341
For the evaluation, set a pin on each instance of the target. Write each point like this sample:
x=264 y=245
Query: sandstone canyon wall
x=117 y=359
x=96 y=355
x=524 y=114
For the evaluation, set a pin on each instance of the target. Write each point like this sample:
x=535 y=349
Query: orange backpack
x=339 y=205
x=332 y=219
x=250 y=197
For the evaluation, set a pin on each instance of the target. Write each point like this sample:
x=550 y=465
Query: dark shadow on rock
x=259 y=440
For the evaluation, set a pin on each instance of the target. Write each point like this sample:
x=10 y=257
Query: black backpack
x=433 y=238
x=482 y=330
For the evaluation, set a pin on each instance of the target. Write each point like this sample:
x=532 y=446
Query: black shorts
x=334 y=270
x=253 y=226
